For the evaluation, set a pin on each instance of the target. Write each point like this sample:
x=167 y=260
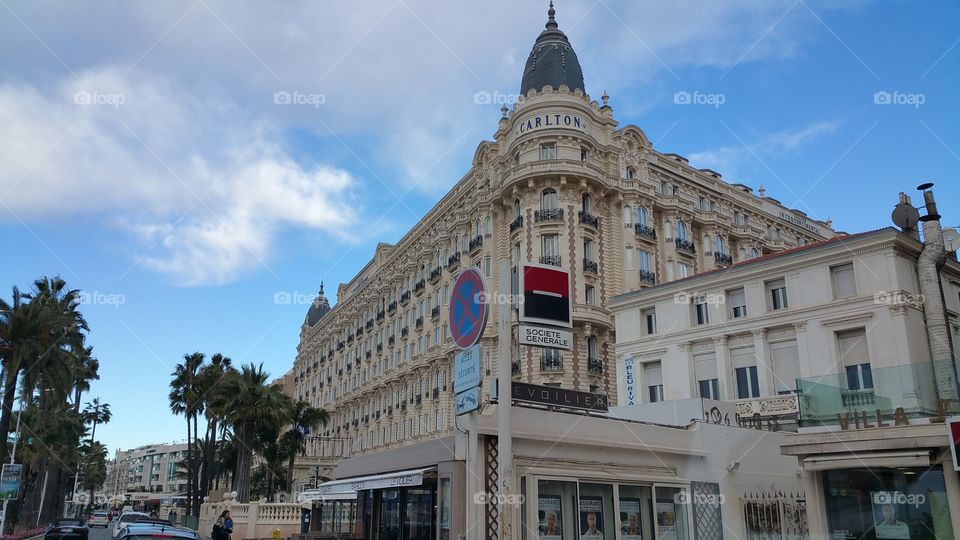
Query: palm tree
x=87 y=371
x=251 y=402
x=211 y=376
x=304 y=419
x=186 y=399
x=95 y=413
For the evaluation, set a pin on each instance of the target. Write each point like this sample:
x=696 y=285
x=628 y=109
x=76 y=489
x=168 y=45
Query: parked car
x=67 y=528
x=126 y=518
x=99 y=519
x=152 y=529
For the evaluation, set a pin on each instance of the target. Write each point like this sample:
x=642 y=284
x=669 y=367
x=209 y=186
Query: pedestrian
x=172 y=516
x=223 y=527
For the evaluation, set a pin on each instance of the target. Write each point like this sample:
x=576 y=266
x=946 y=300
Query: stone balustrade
x=253 y=520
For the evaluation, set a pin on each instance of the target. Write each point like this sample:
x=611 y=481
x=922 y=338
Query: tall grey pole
x=504 y=378
x=13 y=457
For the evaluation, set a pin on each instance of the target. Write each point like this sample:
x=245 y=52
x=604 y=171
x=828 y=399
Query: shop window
x=595 y=512
x=419 y=519
x=636 y=512
x=671 y=513
x=556 y=516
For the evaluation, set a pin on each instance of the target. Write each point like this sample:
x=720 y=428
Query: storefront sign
x=953 y=431
x=139 y=496
x=10 y=481
x=559 y=397
x=372 y=482
x=862 y=419
x=467 y=369
x=551 y=120
x=545 y=336
x=546 y=296
x=630 y=381
x=467 y=401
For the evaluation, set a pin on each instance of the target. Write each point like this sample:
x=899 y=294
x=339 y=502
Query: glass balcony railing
x=830 y=398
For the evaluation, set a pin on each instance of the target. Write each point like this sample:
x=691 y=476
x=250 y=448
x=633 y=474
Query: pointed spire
x=551 y=21
x=321 y=287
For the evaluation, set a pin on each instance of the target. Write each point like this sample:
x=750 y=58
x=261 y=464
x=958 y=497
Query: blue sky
x=148 y=157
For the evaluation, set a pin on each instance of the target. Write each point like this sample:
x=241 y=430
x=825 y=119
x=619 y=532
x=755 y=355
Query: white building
x=148 y=469
x=842 y=342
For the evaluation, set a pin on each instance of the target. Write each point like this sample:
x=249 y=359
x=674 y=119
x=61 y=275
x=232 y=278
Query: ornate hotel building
x=562 y=183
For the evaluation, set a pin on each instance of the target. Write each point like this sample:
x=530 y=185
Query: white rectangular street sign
x=467 y=401
x=467 y=369
x=545 y=336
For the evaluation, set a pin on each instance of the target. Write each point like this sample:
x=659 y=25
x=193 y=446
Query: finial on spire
x=551 y=21
x=321 y=287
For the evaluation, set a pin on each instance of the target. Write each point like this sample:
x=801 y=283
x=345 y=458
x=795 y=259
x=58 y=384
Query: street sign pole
x=504 y=379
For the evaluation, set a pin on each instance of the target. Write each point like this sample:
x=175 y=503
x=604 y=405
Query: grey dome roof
x=552 y=61
x=319 y=308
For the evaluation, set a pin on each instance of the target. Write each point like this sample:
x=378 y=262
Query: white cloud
x=205 y=187
x=728 y=160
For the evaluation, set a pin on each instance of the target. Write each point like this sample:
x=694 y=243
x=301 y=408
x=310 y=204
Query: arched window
x=681 y=230
x=516 y=208
x=630 y=173
x=586 y=202
x=627 y=214
x=641 y=215
x=719 y=245
x=487 y=226
x=477 y=228
x=592 y=347
x=548 y=200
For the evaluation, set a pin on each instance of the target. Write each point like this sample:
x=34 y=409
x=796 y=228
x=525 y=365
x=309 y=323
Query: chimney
x=931 y=259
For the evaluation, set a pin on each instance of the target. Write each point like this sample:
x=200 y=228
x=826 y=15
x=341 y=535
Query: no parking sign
x=468 y=308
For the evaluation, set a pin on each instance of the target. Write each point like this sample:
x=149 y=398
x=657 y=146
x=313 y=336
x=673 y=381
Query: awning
x=350 y=486
x=313 y=495
x=867 y=460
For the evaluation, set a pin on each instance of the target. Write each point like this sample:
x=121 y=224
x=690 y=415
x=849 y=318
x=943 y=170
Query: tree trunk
x=189 y=471
x=93 y=434
x=244 y=461
x=9 y=394
x=290 y=474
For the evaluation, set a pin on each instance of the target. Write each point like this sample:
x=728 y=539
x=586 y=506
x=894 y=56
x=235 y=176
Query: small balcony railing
x=553 y=260
x=686 y=245
x=589 y=219
x=645 y=231
x=594 y=366
x=476 y=242
x=648 y=277
x=515 y=368
x=419 y=286
x=405 y=297
x=591 y=266
x=551 y=363
x=436 y=393
x=722 y=258
x=419 y=322
x=453 y=260
x=516 y=223
x=436 y=273
x=435 y=312
x=555 y=214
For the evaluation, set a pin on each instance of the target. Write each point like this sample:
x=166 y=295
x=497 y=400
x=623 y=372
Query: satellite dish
x=924 y=187
x=951 y=239
x=905 y=216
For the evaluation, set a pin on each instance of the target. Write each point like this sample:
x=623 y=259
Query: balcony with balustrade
x=546 y=216
x=594 y=366
x=552 y=260
x=722 y=259
x=645 y=232
x=589 y=219
x=476 y=243
x=648 y=278
x=685 y=246
x=517 y=223
x=453 y=260
x=591 y=266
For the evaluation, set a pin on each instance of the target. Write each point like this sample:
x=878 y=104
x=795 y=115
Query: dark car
x=151 y=529
x=67 y=529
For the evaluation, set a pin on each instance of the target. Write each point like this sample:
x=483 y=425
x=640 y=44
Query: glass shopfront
x=899 y=503
x=566 y=509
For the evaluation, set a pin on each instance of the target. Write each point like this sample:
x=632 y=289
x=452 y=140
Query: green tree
x=250 y=403
x=186 y=398
x=304 y=418
x=95 y=413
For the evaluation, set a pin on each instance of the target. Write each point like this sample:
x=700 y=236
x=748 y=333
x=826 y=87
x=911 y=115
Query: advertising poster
x=550 y=517
x=888 y=513
x=630 y=519
x=666 y=521
x=10 y=481
x=591 y=518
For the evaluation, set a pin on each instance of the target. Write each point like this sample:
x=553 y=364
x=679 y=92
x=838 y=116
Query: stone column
x=816 y=506
x=685 y=360
x=764 y=369
x=724 y=368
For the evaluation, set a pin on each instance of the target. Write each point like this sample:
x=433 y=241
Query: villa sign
x=862 y=419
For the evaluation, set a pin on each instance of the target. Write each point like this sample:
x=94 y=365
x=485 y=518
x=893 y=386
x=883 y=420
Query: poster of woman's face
x=630 y=519
x=888 y=515
x=550 y=517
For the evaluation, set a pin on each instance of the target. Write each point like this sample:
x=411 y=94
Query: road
x=98 y=533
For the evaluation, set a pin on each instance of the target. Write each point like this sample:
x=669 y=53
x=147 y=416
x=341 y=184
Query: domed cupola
x=319 y=308
x=552 y=61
